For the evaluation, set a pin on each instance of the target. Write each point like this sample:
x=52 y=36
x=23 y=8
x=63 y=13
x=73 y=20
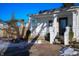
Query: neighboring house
x=56 y=21
x=1 y=27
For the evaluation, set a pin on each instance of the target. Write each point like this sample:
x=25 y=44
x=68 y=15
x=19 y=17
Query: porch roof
x=50 y=14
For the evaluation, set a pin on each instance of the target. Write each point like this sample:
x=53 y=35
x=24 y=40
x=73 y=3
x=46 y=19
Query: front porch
x=65 y=27
x=57 y=24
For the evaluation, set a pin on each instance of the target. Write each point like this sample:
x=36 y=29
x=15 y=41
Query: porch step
x=60 y=39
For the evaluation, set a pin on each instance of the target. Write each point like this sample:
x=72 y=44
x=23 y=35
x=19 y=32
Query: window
x=33 y=21
x=50 y=22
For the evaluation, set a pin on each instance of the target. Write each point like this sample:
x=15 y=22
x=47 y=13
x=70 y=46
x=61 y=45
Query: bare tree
x=26 y=30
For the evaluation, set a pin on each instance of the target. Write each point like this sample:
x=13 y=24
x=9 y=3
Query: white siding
x=37 y=24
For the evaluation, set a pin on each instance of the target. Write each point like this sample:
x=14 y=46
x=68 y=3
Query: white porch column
x=51 y=35
x=66 y=36
x=56 y=23
x=77 y=27
x=74 y=24
x=53 y=29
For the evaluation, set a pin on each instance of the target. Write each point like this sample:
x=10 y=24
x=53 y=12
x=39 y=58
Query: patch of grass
x=70 y=36
x=76 y=45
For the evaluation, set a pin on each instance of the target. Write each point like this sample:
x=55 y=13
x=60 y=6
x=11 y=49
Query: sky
x=22 y=9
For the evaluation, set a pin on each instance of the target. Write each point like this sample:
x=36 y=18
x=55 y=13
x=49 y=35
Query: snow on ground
x=10 y=46
x=3 y=46
x=69 y=51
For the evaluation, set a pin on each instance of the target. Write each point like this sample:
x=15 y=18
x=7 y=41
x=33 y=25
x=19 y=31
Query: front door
x=62 y=25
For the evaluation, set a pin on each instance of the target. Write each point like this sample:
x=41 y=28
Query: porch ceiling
x=50 y=16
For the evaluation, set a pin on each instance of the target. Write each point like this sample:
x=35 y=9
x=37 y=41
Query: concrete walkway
x=45 y=50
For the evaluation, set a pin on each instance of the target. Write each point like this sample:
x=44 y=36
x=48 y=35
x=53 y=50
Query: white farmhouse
x=55 y=22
